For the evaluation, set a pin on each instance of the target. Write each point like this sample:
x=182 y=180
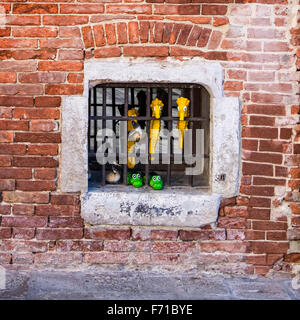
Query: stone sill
x=177 y=207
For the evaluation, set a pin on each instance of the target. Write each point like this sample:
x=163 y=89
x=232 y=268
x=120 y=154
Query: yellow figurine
x=130 y=144
x=156 y=107
x=183 y=111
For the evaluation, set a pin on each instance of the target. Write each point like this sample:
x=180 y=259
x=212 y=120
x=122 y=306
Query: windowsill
x=176 y=206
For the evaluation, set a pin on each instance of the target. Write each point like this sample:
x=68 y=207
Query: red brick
x=172 y=246
x=43 y=150
x=5 y=161
x=39 y=32
x=236 y=212
x=168 y=27
x=107 y=234
x=258 y=191
x=65 y=222
x=15 y=173
x=107 y=52
x=24 y=221
x=122 y=33
x=231 y=246
x=69 y=32
x=133 y=31
x=26 y=185
x=42 y=77
x=43 y=125
x=215 y=40
x=56 y=210
x=42 y=54
x=60 y=66
x=60 y=20
x=260 y=132
x=232 y=223
x=110 y=33
x=35 y=8
x=268 y=181
x=61 y=259
x=257 y=169
x=6 y=137
x=33 y=113
x=23 y=209
x=75 y=54
x=269 y=247
x=278 y=235
x=184 y=34
x=5 y=233
x=35 y=137
x=65 y=89
x=45 y=174
x=47 y=102
x=81 y=8
x=23 y=233
x=7 y=185
x=204 y=37
x=99 y=35
x=269 y=225
x=262 y=157
x=163 y=234
x=25 y=197
x=132 y=9
x=189 y=235
x=148 y=51
x=35 y=162
x=12 y=148
x=4 y=209
x=81 y=245
x=285 y=133
x=56 y=234
x=62 y=199
x=214 y=9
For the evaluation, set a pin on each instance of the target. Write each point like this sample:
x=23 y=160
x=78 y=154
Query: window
x=127 y=109
x=183 y=206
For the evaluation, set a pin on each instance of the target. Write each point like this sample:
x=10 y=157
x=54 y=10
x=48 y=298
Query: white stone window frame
x=180 y=207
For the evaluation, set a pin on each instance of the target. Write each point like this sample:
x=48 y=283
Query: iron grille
x=108 y=107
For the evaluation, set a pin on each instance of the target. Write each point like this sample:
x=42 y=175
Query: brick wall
x=43 y=46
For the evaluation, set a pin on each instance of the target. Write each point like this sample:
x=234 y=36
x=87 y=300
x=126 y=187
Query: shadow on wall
x=2 y=278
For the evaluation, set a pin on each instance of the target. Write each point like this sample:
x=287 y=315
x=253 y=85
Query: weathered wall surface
x=42 y=49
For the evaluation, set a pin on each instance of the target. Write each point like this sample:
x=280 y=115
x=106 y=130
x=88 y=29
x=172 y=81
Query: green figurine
x=156 y=182
x=135 y=179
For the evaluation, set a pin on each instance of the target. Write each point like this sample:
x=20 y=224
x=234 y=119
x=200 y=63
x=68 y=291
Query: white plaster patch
x=97 y=204
x=129 y=206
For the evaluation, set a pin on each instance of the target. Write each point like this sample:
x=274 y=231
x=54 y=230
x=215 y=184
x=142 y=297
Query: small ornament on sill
x=114 y=175
x=135 y=179
x=156 y=182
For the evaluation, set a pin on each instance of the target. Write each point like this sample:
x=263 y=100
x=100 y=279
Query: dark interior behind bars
x=108 y=106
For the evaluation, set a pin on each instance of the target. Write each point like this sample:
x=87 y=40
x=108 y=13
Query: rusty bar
x=125 y=113
x=103 y=127
x=148 y=134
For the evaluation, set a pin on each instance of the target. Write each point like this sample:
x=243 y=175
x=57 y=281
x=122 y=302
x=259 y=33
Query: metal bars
x=115 y=96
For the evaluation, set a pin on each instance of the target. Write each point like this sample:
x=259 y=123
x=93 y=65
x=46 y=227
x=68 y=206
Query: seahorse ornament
x=183 y=111
x=156 y=107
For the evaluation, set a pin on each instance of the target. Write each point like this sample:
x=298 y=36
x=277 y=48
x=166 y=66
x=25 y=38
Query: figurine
x=135 y=179
x=156 y=182
x=114 y=175
x=156 y=107
x=130 y=144
x=183 y=112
